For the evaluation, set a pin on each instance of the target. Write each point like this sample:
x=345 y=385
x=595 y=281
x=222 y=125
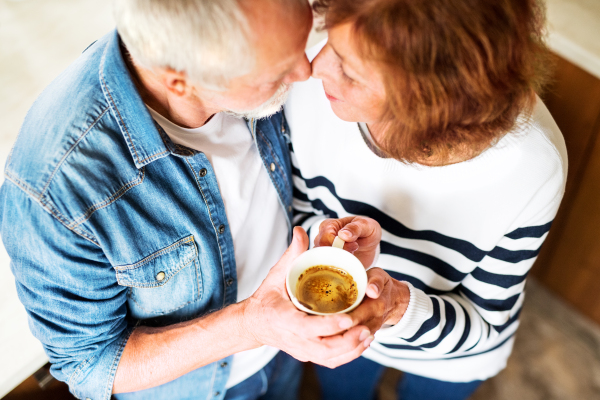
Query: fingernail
x=374 y=288
x=346 y=323
x=363 y=335
x=367 y=342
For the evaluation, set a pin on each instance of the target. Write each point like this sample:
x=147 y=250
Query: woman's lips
x=330 y=97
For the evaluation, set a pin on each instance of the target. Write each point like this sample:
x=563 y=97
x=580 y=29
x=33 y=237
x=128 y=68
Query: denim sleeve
x=69 y=289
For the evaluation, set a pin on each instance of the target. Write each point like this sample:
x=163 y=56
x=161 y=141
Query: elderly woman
x=423 y=116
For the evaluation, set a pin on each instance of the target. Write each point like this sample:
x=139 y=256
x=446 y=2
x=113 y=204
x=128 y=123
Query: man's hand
x=385 y=302
x=271 y=318
x=361 y=234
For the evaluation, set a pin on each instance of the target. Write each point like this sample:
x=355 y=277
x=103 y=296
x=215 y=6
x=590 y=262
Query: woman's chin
x=342 y=112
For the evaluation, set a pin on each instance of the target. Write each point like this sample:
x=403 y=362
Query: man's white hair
x=206 y=39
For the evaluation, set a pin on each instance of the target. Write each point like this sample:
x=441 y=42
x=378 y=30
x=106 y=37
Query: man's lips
x=330 y=97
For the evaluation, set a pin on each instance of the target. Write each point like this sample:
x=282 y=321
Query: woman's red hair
x=457 y=73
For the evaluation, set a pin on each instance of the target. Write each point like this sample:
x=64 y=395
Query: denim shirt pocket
x=164 y=281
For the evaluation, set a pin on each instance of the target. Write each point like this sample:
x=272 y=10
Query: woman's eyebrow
x=336 y=53
x=352 y=70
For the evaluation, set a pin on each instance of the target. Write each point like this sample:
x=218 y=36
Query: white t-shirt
x=256 y=219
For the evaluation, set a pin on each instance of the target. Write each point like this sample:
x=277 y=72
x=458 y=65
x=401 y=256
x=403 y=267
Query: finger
x=327 y=232
x=298 y=246
x=359 y=227
x=350 y=350
x=333 y=346
x=351 y=246
x=329 y=229
x=371 y=313
x=376 y=282
x=313 y=326
x=351 y=355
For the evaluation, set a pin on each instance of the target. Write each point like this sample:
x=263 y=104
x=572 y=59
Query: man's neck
x=181 y=110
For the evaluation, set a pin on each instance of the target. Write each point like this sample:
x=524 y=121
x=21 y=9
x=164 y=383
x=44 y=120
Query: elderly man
x=145 y=203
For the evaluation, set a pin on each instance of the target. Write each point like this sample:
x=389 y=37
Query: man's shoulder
x=68 y=109
x=70 y=143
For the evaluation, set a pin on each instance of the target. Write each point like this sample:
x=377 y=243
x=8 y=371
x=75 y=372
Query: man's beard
x=268 y=108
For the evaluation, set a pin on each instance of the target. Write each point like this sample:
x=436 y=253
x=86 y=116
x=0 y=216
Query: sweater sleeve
x=487 y=301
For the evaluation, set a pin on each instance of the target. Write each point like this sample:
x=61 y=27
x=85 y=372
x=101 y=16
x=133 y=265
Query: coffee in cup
x=326 y=280
x=326 y=289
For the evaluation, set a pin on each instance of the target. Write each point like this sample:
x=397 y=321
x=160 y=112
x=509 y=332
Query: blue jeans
x=278 y=380
x=358 y=380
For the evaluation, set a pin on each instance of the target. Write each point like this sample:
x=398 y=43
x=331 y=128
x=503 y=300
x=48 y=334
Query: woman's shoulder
x=543 y=142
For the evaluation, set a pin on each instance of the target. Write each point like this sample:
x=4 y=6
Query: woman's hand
x=385 y=302
x=361 y=234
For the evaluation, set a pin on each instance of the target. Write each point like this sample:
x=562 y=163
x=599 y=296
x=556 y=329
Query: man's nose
x=301 y=72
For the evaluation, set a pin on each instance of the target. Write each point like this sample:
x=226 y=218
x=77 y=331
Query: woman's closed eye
x=345 y=76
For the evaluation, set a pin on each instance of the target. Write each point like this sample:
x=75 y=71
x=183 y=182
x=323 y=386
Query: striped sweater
x=462 y=236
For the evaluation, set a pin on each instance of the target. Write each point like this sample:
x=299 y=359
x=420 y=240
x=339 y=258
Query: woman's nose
x=320 y=64
x=301 y=72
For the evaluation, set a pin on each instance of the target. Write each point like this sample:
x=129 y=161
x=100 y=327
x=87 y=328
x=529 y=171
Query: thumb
x=376 y=283
x=298 y=246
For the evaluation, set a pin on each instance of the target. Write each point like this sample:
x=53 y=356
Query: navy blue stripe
x=415 y=282
x=296 y=171
x=490 y=304
x=478 y=340
x=466 y=331
x=441 y=359
x=467 y=249
x=530 y=231
x=438 y=266
x=430 y=323
x=402 y=347
x=504 y=281
x=300 y=195
x=304 y=217
x=317 y=204
x=485 y=351
x=450 y=323
x=512 y=319
x=513 y=256
x=396 y=228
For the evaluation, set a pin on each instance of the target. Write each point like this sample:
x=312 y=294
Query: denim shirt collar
x=135 y=122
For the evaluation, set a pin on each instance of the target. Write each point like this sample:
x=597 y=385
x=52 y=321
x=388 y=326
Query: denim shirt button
x=224 y=364
x=272 y=167
x=229 y=282
x=289 y=208
x=160 y=276
x=203 y=172
x=217 y=394
x=221 y=228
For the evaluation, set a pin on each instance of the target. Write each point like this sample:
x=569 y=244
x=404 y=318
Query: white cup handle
x=337 y=242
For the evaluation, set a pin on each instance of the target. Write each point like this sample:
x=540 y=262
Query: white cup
x=331 y=256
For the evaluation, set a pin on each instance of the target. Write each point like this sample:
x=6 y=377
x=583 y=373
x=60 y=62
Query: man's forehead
x=279 y=33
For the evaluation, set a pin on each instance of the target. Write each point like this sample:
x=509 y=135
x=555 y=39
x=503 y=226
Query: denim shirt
x=110 y=225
